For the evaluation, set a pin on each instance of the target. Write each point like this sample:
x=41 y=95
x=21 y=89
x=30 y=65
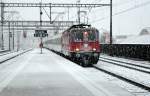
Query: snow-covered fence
x=127 y=50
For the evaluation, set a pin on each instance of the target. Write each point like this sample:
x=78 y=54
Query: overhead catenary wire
x=124 y=11
x=114 y=5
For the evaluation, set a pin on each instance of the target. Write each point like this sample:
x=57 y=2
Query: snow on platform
x=48 y=74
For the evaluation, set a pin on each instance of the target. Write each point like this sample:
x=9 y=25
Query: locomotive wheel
x=95 y=61
x=85 y=62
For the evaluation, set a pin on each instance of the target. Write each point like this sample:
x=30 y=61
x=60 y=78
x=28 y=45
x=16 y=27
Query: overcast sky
x=132 y=15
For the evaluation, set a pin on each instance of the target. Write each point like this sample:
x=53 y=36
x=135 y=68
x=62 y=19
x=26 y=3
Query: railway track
x=6 y=53
x=139 y=84
x=129 y=63
x=3 y=51
x=142 y=69
x=137 y=67
x=9 y=58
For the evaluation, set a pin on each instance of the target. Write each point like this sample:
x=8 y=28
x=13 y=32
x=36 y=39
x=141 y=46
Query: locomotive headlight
x=94 y=49
x=77 y=49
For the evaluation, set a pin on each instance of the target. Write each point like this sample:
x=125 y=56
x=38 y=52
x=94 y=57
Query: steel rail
x=133 y=68
x=5 y=53
x=14 y=56
x=133 y=82
x=132 y=64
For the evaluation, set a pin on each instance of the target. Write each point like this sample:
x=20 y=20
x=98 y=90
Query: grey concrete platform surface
x=47 y=74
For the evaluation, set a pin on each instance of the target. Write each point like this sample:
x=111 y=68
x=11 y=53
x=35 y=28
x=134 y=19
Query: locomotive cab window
x=84 y=35
x=77 y=35
x=91 y=35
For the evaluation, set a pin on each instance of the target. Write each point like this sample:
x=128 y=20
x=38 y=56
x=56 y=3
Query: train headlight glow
x=77 y=49
x=94 y=49
x=85 y=33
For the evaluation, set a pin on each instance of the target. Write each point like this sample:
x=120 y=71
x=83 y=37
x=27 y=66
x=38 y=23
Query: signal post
x=41 y=33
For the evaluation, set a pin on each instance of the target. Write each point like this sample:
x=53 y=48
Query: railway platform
x=48 y=74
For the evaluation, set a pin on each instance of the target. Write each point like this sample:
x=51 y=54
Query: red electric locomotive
x=80 y=43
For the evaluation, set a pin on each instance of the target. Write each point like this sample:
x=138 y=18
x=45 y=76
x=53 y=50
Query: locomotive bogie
x=85 y=58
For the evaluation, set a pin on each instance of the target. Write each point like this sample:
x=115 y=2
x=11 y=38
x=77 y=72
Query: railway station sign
x=40 y=33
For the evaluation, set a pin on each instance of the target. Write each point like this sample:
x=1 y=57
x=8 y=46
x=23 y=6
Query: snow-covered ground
x=126 y=72
x=11 y=55
x=48 y=74
x=136 y=91
x=134 y=75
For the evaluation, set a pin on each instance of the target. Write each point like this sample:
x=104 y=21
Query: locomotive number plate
x=85 y=45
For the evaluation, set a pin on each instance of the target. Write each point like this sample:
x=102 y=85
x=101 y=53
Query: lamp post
x=111 y=22
x=41 y=43
x=2 y=19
